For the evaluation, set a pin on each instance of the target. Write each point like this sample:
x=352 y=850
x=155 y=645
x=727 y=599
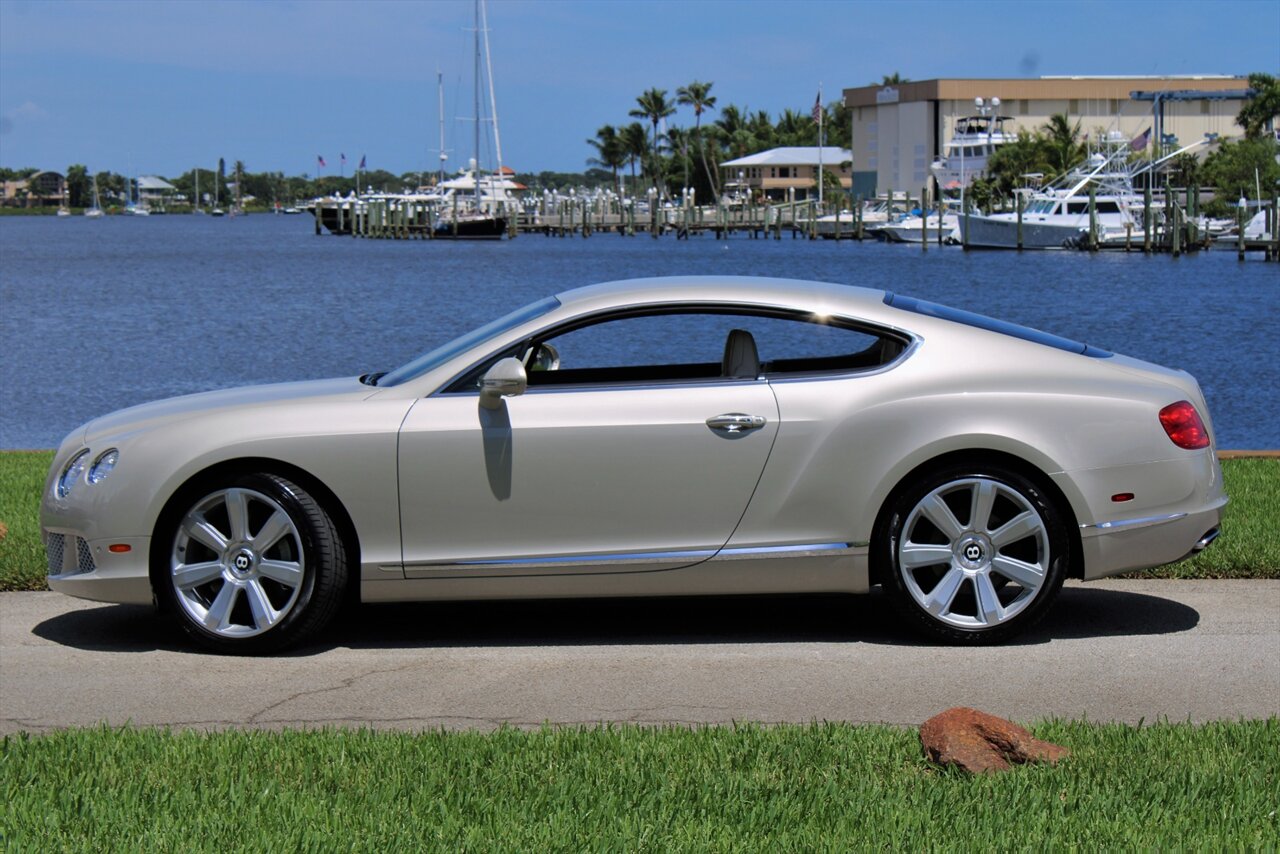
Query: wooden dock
x=398 y=219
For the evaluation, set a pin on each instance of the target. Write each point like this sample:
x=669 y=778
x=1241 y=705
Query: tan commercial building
x=899 y=129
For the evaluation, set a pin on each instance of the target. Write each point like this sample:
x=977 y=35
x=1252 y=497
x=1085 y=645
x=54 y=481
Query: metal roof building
x=775 y=172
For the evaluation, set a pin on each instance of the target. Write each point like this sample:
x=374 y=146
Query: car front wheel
x=973 y=554
x=254 y=564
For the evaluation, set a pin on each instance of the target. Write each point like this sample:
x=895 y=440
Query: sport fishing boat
x=1058 y=217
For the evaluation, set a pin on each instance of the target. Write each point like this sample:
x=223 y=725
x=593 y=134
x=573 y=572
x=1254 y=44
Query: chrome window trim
x=913 y=342
x=618 y=559
x=906 y=353
x=1140 y=522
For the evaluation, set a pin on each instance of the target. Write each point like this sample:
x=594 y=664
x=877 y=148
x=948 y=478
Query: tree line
x=266 y=189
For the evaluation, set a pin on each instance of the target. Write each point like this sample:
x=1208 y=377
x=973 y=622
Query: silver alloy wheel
x=974 y=553
x=237 y=565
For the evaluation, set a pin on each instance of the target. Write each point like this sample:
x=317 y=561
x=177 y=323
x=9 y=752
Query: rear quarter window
x=990 y=324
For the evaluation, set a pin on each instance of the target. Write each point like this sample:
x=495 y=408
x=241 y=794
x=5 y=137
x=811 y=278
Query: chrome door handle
x=735 y=422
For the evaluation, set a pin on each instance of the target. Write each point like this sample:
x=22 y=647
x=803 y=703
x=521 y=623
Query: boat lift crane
x=1158 y=99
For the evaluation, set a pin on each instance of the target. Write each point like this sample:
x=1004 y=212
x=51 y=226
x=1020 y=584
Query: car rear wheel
x=254 y=564
x=974 y=554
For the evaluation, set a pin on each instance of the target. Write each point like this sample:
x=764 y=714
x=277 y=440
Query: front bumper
x=87 y=569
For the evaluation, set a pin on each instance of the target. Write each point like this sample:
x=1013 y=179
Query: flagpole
x=821 y=111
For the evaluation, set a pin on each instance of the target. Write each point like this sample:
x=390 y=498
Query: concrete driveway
x=1115 y=650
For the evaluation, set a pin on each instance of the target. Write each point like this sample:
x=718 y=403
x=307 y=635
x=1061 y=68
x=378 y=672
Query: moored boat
x=973 y=142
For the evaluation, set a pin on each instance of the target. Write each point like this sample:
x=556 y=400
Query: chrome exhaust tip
x=1209 y=537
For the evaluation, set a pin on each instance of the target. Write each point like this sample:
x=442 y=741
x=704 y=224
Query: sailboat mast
x=493 y=100
x=475 y=174
x=440 y=100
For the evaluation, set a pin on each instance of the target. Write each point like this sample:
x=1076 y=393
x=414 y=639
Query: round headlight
x=71 y=473
x=103 y=465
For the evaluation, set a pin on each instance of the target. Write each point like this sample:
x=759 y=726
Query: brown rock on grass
x=977 y=742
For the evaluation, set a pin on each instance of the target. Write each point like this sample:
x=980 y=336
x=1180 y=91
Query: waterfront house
x=155 y=193
x=774 y=173
x=40 y=189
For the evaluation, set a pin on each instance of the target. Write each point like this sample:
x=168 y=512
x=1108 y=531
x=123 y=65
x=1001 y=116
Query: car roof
x=751 y=290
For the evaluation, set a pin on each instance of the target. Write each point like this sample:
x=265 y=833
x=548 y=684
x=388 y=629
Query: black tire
x=237 y=587
x=948 y=599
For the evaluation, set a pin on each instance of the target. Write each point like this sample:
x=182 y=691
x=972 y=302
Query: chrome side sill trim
x=557 y=560
x=642 y=557
x=1139 y=522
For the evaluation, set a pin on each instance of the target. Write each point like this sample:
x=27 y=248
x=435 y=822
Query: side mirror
x=505 y=379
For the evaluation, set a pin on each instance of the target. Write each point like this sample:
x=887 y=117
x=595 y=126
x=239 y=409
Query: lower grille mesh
x=54 y=547
x=84 y=556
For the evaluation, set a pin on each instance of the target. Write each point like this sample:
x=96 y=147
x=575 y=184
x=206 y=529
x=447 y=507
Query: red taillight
x=1181 y=421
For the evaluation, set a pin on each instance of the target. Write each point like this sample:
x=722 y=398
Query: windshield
x=434 y=358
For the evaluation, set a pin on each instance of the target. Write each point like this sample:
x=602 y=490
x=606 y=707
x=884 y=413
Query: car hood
x=147 y=416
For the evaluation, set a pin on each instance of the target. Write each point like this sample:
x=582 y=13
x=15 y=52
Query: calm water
x=100 y=315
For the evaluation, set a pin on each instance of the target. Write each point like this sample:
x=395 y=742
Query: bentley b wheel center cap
x=974 y=552
x=242 y=563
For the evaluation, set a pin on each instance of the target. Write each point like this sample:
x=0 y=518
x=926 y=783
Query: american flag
x=320 y=160
x=361 y=161
x=344 y=157
x=1139 y=142
x=817 y=108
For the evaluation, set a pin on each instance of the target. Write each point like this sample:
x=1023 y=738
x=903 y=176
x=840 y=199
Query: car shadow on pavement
x=113 y=628
x=1078 y=613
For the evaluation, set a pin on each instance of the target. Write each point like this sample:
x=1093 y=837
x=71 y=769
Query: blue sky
x=152 y=87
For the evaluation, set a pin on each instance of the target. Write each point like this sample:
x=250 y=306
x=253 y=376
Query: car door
x=619 y=461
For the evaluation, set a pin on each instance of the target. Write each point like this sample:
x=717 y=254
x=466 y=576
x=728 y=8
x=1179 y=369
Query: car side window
x=691 y=346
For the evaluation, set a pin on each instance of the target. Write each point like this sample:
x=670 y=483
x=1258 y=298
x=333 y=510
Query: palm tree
x=698 y=95
x=654 y=106
x=761 y=127
x=1260 y=110
x=1063 y=140
x=239 y=170
x=677 y=141
x=795 y=128
x=731 y=120
x=635 y=143
x=891 y=80
x=610 y=152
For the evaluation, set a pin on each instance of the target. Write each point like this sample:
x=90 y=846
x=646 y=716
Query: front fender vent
x=68 y=557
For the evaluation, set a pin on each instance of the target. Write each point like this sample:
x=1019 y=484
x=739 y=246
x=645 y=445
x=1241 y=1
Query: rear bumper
x=1144 y=543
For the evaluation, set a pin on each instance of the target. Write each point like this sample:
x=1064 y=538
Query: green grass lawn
x=823 y=787
x=22 y=560
x=1248 y=548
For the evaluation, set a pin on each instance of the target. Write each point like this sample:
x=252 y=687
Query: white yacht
x=973 y=142
x=909 y=230
x=875 y=214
